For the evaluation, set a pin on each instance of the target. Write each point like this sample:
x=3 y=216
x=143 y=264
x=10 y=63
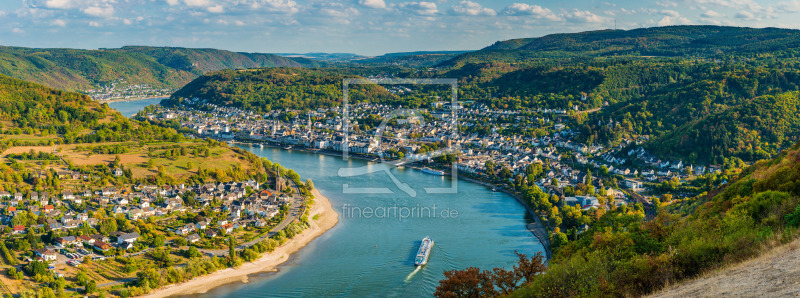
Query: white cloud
x=373 y=3
x=17 y=30
x=95 y=24
x=789 y=6
x=340 y=13
x=745 y=15
x=97 y=11
x=420 y=8
x=173 y=2
x=59 y=4
x=472 y=9
x=216 y=9
x=287 y=6
x=582 y=16
x=671 y=13
x=522 y=9
x=59 y=22
x=197 y=3
x=667 y=3
x=711 y=14
x=669 y=21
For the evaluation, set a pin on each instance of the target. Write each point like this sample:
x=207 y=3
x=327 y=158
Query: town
x=478 y=139
x=120 y=90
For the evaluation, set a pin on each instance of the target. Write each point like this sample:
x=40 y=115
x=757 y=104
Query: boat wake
x=408 y=278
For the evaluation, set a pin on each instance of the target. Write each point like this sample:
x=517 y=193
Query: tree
x=81 y=278
x=91 y=287
x=231 y=247
x=192 y=253
x=108 y=225
x=472 y=282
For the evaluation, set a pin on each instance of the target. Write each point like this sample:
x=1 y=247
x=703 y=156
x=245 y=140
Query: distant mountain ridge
x=670 y=41
x=159 y=67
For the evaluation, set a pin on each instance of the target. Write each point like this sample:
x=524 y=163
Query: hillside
x=671 y=41
x=689 y=90
x=773 y=274
x=623 y=255
x=158 y=67
x=33 y=114
x=701 y=94
x=90 y=136
x=275 y=88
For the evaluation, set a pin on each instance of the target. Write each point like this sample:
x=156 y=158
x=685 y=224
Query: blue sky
x=368 y=27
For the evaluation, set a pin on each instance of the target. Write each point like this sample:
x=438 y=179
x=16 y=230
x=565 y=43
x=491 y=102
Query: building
x=127 y=239
x=46 y=254
x=193 y=238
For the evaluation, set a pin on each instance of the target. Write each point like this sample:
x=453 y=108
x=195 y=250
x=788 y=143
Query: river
x=371 y=253
x=131 y=107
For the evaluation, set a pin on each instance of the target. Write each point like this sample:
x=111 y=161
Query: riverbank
x=537 y=228
x=326 y=220
x=131 y=99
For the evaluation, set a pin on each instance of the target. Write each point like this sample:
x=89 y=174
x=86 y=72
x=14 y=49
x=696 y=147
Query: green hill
x=671 y=41
x=33 y=114
x=623 y=255
x=158 y=67
x=275 y=88
x=689 y=90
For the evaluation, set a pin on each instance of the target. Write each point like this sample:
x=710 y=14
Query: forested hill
x=275 y=88
x=32 y=114
x=671 y=41
x=158 y=67
x=622 y=255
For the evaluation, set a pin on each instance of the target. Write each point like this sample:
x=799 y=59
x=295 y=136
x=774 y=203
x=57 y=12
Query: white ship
x=427 y=170
x=424 y=252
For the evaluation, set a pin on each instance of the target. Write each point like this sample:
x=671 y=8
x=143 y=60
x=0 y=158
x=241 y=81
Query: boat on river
x=430 y=171
x=424 y=252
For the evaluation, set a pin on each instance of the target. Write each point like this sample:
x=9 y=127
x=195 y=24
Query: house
x=86 y=239
x=128 y=238
x=19 y=229
x=118 y=172
x=66 y=241
x=101 y=246
x=210 y=233
x=633 y=184
x=193 y=238
x=46 y=254
x=228 y=228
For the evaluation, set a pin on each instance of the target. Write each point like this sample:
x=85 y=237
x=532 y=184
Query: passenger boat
x=424 y=251
x=430 y=171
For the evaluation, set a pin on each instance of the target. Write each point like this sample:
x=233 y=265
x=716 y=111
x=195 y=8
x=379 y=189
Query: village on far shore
x=417 y=136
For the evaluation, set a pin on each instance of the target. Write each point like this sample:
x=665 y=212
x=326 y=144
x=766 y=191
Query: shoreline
x=328 y=218
x=129 y=99
x=537 y=228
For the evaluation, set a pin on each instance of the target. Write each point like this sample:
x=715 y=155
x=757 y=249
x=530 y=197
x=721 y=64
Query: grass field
x=138 y=156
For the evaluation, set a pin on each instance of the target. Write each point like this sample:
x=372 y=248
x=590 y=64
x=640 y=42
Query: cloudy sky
x=368 y=27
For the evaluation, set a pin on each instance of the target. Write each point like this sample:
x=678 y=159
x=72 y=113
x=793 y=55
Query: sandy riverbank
x=327 y=220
